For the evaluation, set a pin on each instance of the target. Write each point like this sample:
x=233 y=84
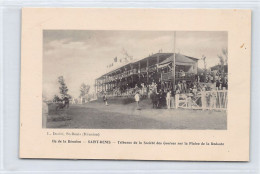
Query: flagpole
x=174 y=59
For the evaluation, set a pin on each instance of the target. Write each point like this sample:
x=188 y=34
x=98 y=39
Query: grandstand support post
x=98 y=86
x=177 y=101
x=132 y=74
x=158 y=60
x=203 y=100
x=147 y=72
x=161 y=80
x=139 y=70
x=174 y=58
x=95 y=85
x=104 y=86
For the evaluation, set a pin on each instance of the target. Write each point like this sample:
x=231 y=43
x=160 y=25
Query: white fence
x=211 y=100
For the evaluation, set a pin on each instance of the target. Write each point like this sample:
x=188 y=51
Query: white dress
x=137 y=98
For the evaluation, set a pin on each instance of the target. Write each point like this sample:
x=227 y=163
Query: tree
x=56 y=98
x=205 y=67
x=225 y=54
x=223 y=59
x=84 y=90
x=204 y=62
x=63 y=87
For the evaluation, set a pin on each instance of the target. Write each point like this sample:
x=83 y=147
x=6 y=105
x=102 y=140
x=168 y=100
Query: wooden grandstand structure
x=164 y=69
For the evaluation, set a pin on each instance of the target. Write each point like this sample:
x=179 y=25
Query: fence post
x=203 y=100
x=177 y=101
x=225 y=98
x=189 y=101
x=220 y=97
x=172 y=102
x=213 y=100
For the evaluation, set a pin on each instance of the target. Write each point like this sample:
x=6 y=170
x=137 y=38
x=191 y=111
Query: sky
x=80 y=56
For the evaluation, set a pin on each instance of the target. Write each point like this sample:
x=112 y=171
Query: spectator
x=137 y=99
x=217 y=84
x=168 y=99
x=179 y=87
x=105 y=99
x=184 y=86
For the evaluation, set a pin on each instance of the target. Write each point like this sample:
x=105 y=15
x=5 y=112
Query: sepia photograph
x=130 y=84
x=109 y=79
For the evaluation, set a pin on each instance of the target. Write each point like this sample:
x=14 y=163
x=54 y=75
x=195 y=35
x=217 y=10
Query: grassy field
x=96 y=115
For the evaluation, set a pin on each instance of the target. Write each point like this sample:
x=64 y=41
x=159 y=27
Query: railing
x=205 y=100
x=167 y=76
x=178 y=76
x=127 y=93
x=143 y=70
x=152 y=68
x=184 y=75
x=118 y=76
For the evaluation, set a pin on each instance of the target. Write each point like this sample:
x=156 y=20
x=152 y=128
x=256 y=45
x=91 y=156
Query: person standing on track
x=105 y=99
x=168 y=99
x=137 y=99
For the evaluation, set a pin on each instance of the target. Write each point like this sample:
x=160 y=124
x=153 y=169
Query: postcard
x=135 y=84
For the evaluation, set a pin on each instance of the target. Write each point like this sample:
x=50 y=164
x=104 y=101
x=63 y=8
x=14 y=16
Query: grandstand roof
x=166 y=58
